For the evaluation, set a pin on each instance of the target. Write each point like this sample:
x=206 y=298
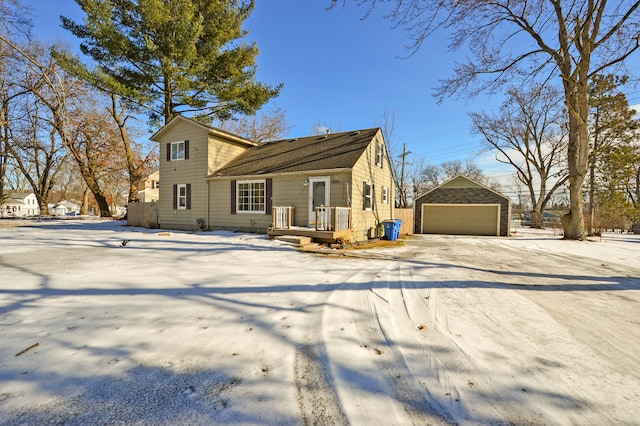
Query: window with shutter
x=251 y=196
x=367 y=195
x=181 y=196
x=178 y=151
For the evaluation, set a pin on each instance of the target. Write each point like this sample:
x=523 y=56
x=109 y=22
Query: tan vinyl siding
x=221 y=152
x=366 y=170
x=189 y=171
x=292 y=191
x=289 y=190
x=460 y=182
x=220 y=216
x=206 y=154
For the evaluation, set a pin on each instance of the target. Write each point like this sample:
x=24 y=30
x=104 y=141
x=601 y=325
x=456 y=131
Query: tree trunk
x=84 y=210
x=135 y=169
x=94 y=187
x=4 y=142
x=577 y=98
x=537 y=218
x=573 y=222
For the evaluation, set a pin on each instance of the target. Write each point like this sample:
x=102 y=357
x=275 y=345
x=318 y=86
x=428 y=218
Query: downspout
x=208 y=200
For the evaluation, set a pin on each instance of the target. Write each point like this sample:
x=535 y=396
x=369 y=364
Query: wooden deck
x=316 y=236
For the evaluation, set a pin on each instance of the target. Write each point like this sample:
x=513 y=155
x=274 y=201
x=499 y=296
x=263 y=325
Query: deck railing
x=333 y=218
x=283 y=217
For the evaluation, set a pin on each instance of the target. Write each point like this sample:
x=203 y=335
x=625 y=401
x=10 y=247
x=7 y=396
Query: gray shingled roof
x=321 y=152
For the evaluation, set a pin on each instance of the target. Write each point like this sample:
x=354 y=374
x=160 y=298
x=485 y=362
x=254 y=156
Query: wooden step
x=294 y=239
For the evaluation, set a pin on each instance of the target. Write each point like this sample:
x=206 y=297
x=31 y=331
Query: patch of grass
x=377 y=244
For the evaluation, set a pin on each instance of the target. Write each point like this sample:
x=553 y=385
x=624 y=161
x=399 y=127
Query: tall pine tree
x=174 y=56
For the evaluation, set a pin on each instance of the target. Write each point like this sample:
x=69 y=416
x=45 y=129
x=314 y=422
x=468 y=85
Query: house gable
x=373 y=187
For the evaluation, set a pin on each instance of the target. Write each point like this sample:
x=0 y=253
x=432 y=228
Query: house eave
x=210 y=130
x=264 y=175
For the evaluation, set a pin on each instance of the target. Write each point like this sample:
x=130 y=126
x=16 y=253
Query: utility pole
x=403 y=189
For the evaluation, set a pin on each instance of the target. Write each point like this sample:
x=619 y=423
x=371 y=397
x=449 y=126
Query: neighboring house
x=328 y=187
x=64 y=208
x=464 y=207
x=151 y=191
x=57 y=210
x=20 y=204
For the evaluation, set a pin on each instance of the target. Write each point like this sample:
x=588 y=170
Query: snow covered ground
x=210 y=328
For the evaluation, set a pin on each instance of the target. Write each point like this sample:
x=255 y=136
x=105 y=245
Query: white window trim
x=179 y=197
x=385 y=195
x=251 y=189
x=370 y=196
x=177 y=150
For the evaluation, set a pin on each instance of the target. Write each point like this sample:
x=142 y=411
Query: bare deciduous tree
x=538 y=40
x=529 y=134
x=14 y=22
x=266 y=126
x=34 y=144
x=398 y=156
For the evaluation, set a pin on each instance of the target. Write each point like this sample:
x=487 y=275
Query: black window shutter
x=175 y=196
x=268 y=194
x=233 y=197
x=168 y=151
x=188 y=196
x=186 y=149
x=373 y=196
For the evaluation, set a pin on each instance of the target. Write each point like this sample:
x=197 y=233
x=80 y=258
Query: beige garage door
x=461 y=219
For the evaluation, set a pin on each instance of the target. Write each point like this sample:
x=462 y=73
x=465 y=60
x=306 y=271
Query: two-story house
x=329 y=187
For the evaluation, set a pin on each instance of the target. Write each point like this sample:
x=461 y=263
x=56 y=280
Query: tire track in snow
x=316 y=392
x=374 y=379
x=415 y=323
x=317 y=400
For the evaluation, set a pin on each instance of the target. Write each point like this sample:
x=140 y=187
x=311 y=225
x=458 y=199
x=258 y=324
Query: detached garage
x=462 y=206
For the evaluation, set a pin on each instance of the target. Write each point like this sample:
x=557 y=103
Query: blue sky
x=342 y=71
x=338 y=70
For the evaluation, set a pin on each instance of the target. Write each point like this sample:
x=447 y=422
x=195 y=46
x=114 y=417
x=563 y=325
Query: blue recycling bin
x=392 y=229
